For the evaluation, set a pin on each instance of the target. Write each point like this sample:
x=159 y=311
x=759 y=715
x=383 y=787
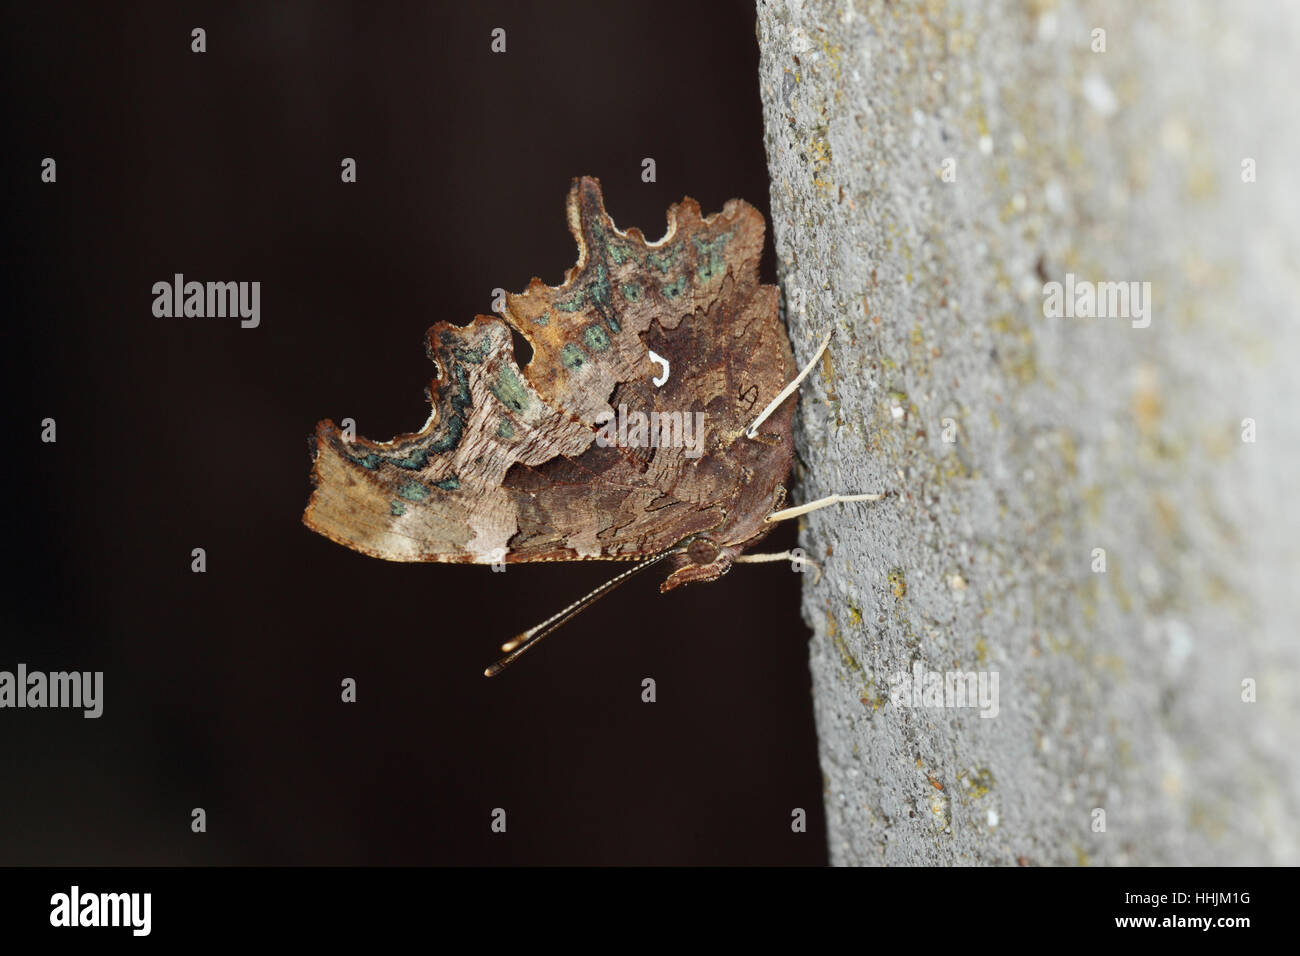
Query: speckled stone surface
x=933 y=166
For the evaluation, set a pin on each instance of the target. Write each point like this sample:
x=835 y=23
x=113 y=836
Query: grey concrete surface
x=933 y=166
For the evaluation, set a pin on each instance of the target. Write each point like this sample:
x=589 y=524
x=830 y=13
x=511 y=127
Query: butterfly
x=641 y=429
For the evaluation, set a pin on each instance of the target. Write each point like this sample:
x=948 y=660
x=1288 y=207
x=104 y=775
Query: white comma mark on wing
x=659 y=360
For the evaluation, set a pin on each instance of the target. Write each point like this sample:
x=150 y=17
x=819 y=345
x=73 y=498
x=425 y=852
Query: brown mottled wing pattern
x=509 y=466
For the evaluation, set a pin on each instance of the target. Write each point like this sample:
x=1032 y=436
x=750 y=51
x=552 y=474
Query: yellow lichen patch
x=1069 y=453
x=1147 y=405
x=1092 y=497
x=1110 y=662
x=1166 y=513
x=898 y=583
x=942 y=472
x=828 y=375
x=919 y=353
x=819 y=158
x=846 y=656
x=1202 y=181
x=1218 y=590
x=1125 y=750
x=1208 y=820
x=977 y=782
x=1087 y=593
x=1064 y=644
x=1217 y=443
x=833 y=56
x=942 y=810
x=1015 y=347
x=869 y=698
x=1122 y=595
x=981 y=651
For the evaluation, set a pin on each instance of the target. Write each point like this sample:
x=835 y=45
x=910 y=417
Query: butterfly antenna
x=527 y=640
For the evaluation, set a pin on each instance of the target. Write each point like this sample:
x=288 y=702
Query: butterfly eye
x=702 y=551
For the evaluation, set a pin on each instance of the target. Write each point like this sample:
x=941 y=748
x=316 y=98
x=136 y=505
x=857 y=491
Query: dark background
x=222 y=689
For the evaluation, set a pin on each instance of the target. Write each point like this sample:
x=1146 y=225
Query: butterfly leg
x=752 y=430
x=779 y=514
x=796 y=557
x=829 y=500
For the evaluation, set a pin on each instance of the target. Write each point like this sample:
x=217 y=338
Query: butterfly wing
x=517 y=465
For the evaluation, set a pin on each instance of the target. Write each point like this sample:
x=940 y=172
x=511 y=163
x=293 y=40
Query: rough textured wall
x=933 y=166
